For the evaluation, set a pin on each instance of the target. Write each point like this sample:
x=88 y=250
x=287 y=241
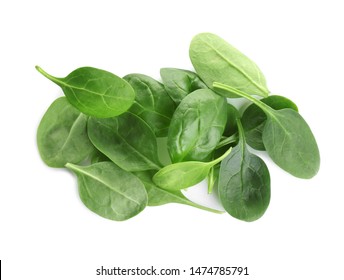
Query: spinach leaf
x=98 y=156
x=179 y=83
x=109 y=191
x=62 y=135
x=217 y=61
x=95 y=92
x=127 y=140
x=197 y=126
x=182 y=175
x=231 y=124
x=287 y=138
x=244 y=183
x=253 y=119
x=158 y=196
x=152 y=103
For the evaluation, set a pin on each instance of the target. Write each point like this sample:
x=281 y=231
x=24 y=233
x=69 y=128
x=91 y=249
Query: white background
x=47 y=233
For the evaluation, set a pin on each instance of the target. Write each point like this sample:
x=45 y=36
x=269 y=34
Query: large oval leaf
x=95 y=92
x=127 y=140
x=62 y=135
x=152 y=103
x=110 y=191
x=217 y=61
x=197 y=126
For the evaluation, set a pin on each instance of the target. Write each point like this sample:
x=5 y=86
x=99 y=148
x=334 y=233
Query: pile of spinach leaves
x=114 y=133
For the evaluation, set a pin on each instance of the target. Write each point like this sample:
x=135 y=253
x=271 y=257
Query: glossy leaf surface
x=95 y=92
x=110 y=191
x=217 y=61
x=182 y=175
x=197 y=126
x=127 y=140
x=152 y=103
x=244 y=183
x=179 y=83
x=62 y=135
x=253 y=119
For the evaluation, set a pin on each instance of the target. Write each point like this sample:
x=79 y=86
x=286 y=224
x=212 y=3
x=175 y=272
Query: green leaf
x=62 y=135
x=244 y=183
x=253 y=119
x=182 y=175
x=231 y=124
x=109 y=191
x=127 y=140
x=179 y=83
x=152 y=103
x=217 y=61
x=197 y=126
x=95 y=92
x=158 y=196
x=287 y=138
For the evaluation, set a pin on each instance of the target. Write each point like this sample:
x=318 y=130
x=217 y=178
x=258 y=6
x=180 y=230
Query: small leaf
x=182 y=175
x=109 y=191
x=95 y=92
x=62 y=135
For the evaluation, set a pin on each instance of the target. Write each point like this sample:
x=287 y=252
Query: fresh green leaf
x=62 y=135
x=95 y=92
x=110 y=191
x=287 y=138
x=179 y=83
x=127 y=140
x=197 y=126
x=182 y=175
x=158 y=196
x=152 y=103
x=244 y=183
x=217 y=61
x=253 y=119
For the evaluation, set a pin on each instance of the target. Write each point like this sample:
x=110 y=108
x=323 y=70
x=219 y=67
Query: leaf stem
x=48 y=76
x=227 y=140
x=268 y=110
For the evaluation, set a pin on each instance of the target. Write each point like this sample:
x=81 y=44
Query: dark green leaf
x=253 y=119
x=197 y=126
x=127 y=140
x=95 y=92
x=152 y=103
x=110 y=191
x=62 y=135
x=244 y=183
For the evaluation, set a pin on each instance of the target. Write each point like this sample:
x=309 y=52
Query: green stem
x=268 y=110
x=216 y=161
x=211 y=180
x=227 y=140
x=48 y=76
x=190 y=203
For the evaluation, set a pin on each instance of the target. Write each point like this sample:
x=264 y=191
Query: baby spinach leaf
x=95 y=92
x=179 y=83
x=217 y=61
x=244 y=183
x=253 y=119
x=98 y=156
x=127 y=140
x=62 y=135
x=158 y=196
x=287 y=138
x=152 y=103
x=109 y=191
x=182 y=175
x=197 y=126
